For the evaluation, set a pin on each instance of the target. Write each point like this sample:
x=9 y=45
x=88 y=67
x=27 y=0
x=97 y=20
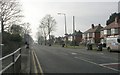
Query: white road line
x=40 y=68
x=97 y=64
x=73 y=53
x=110 y=64
x=110 y=68
x=100 y=53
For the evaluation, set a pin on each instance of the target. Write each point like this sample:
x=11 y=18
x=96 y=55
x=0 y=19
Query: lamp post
x=65 y=26
x=0 y=41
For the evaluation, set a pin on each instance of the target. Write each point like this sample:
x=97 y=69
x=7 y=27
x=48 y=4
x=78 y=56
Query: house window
x=84 y=35
x=114 y=31
x=102 y=33
x=105 y=32
x=89 y=35
x=93 y=34
x=108 y=32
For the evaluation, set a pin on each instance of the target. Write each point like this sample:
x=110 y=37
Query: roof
x=112 y=25
x=95 y=29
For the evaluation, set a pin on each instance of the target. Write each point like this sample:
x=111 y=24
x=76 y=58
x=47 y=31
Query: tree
x=10 y=13
x=40 y=38
x=16 y=29
x=112 y=18
x=42 y=31
x=26 y=28
x=26 y=31
x=48 y=24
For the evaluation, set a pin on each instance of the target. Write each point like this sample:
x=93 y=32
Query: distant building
x=59 y=40
x=75 y=38
x=111 y=30
x=92 y=35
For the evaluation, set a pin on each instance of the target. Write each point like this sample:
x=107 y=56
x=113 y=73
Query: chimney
x=99 y=24
x=93 y=26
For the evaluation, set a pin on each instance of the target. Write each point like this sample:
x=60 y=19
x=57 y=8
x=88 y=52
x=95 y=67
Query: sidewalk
x=25 y=60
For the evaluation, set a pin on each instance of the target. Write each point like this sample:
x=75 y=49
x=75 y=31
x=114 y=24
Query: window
x=105 y=32
x=114 y=31
x=108 y=32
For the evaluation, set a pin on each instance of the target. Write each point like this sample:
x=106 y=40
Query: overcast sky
x=86 y=13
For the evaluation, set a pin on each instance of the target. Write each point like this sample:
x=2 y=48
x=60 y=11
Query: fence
x=11 y=63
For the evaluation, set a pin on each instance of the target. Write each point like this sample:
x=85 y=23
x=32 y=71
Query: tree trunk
x=2 y=26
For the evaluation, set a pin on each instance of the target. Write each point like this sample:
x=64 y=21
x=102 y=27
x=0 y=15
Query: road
x=65 y=60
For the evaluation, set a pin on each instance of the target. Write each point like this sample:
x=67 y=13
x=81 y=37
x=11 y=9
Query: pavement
x=25 y=60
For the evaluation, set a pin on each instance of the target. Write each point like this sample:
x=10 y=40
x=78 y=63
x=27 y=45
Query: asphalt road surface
x=65 y=60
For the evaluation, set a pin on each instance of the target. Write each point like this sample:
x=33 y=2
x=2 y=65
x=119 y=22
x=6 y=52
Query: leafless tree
x=42 y=31
x=10 y=13
x=48 y=25
x=26 y=28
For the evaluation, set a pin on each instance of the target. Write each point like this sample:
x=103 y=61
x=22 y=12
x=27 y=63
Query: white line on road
x=97 y=64
x=110 y=64
x=73 y=53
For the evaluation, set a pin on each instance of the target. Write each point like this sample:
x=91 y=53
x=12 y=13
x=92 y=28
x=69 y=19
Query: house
x=77 y=37
x=92 y=35
x=70 y=37
x=111 y=30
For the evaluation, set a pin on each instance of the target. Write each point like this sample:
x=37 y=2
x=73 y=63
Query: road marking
x=34 y=63
x=73 y=53
x=40 y=68
x=100 y=53
x=110 y=68
x=86 y=60
x=97 y=64
x=110 y=64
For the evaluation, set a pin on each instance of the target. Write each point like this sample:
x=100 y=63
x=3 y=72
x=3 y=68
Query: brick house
x=75 y=38
x=92 y=35
x=111 y=30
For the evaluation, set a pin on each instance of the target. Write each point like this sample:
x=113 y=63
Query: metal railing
x=14 y=59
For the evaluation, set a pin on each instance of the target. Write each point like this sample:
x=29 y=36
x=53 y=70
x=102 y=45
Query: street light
x=65 y=21
x=65 y=25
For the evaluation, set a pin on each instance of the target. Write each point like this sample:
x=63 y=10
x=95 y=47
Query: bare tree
x=48 y=24
x=10 y=13
x=42 y=31
x=26 y=28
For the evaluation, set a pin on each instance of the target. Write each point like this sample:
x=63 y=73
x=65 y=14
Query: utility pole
x=74 y=30
x=66 y=35
x=1 y=41
x=49 y=31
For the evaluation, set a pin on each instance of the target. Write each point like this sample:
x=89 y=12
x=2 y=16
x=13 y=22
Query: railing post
x=20 y=59
x=13 y=63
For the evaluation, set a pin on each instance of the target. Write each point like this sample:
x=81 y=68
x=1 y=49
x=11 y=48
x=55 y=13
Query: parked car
x=113 y=43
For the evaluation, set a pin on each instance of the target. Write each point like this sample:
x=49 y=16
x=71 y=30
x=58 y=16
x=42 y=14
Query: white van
x=113 y=43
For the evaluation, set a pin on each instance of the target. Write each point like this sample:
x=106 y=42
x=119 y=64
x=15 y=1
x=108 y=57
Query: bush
x=16 y=38
x=11 y=43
